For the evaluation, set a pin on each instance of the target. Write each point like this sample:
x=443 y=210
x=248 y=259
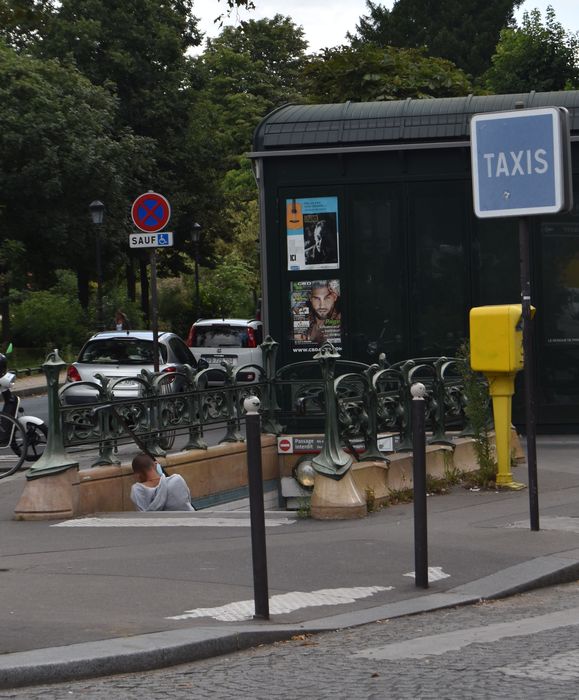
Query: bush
x=49 y=320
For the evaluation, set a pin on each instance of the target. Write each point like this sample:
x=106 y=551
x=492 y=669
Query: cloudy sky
x=326 y=21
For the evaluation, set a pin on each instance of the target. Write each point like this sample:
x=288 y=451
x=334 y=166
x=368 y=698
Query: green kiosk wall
x=387 y=188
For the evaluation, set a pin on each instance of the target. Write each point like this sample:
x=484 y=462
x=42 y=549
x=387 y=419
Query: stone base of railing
x=53 y=497
x=337 y=500
x=223 y=470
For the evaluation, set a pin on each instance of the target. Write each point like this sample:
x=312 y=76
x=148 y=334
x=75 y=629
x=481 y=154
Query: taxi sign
x=521 y=162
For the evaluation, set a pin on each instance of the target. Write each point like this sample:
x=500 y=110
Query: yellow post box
x=496 y=349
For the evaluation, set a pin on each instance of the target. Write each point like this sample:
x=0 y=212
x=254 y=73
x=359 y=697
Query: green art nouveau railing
x=345 y=400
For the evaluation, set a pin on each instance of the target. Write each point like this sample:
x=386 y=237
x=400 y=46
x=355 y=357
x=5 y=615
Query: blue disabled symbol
x=162 y=239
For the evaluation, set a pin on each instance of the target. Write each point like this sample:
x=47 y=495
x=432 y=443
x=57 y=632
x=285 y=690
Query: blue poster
x=312 y=233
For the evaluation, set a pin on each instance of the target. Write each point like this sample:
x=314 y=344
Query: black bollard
x=255 y=480
x=419 y=481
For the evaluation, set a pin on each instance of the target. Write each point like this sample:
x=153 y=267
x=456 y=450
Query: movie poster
x=312 y=233
x=315 y=314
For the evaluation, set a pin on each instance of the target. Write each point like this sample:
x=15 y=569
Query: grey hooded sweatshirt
x=171 y=493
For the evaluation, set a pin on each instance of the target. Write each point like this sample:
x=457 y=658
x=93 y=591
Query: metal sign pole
x=528 y=370
x=154 y=306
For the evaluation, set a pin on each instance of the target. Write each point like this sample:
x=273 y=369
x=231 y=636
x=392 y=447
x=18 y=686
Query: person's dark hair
x=142 y=462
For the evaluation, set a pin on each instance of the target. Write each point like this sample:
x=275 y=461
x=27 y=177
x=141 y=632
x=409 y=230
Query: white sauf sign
x=151 y=240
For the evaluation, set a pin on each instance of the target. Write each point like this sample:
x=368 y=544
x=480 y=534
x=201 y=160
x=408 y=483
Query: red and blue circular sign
x=151 y=212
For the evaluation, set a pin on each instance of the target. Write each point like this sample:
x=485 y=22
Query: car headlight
x=305 y=474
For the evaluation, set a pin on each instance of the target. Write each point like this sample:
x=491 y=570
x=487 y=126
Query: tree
x=369 y=73
x=22 y=21
x=59 y=149
x=462 y=31
x=249 y=70
x=535 y=56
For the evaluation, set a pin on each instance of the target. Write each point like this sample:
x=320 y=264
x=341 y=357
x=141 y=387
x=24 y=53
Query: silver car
x=115 y=354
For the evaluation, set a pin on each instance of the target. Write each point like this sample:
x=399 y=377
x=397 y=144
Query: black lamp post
x=196 y=238
x=97 y=214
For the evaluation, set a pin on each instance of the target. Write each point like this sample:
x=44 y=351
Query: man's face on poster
x=322 y=300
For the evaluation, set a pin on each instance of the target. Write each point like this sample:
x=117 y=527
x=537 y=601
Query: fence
x=345 y=400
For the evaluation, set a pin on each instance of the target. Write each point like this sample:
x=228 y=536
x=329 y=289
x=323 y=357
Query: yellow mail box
x=496 y=338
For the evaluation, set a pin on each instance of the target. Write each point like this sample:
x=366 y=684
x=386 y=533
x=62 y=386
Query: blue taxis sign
x=521 y=162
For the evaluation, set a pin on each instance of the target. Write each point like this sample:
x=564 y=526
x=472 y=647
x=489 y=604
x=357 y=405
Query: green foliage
x=369 y=73
x=176 y=305
x=50 y=320
x=477 y=413
x=536 y=56
x=462 y=31
x=59 y=150
x=228 y=289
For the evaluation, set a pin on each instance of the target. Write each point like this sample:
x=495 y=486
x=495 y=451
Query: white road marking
x=561 y=524
x=284 y=603
x=435 y=573
x=439 y=644
x=560 y=667
x=169 y=522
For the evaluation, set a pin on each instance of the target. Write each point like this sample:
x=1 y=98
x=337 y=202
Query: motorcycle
x=24 y=435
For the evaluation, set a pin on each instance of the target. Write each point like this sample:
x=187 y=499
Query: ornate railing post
x=54 y=459
x=152 y=439
x=232 y=433
x=405 y=407
x=372 y=450
x=439 y=436
x=332 y=461
x=269 y=405
x=196 y=441
x=106 y=431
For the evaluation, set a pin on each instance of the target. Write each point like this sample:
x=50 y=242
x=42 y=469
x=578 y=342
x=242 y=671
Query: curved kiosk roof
x=409 y=121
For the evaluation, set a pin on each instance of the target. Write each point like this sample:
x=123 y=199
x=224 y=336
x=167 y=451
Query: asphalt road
x=522 y=647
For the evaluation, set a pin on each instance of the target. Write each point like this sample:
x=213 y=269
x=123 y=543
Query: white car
x=232 y=340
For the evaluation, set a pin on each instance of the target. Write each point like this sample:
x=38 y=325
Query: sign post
x=521 y=166
x=151 y=213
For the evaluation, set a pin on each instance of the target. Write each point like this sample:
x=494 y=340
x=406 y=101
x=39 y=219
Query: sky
x=326 y=22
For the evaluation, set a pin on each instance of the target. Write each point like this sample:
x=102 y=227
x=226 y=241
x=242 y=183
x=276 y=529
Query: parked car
x=124 y=354
x=232 y=340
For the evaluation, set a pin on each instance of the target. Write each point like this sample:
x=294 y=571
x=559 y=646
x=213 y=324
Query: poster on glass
x=312 y=233
x=315 y=314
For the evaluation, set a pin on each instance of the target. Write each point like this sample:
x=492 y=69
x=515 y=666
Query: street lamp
x=196 y=238
x=97 y=215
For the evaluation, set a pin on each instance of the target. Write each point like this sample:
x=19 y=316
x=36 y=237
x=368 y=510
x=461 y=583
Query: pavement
x=131 y=592
x=31 y=385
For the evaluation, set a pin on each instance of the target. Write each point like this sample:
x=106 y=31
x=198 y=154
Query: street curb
x=161 y=649
x=31 y=391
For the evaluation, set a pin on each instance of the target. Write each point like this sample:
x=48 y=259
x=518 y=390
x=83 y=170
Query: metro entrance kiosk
x=521 y=166
x=150 y=214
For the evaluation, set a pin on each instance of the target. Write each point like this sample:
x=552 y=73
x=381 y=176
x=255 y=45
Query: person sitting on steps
x=153 y=491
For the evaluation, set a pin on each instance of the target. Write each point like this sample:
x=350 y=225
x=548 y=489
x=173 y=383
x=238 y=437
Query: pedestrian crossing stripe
x=435 y=573
x=188 y=521
x=284 y=603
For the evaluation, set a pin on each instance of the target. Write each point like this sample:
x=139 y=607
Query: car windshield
x=221 y=336
x=116 y=351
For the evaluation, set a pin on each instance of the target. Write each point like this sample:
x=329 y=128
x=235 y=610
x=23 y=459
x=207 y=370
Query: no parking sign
x=151 y=212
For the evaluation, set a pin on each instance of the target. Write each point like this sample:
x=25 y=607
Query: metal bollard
x=418 y=391
x=255 y=480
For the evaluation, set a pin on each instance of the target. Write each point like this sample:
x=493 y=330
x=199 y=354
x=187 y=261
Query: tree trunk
x=5 y=311
x=144 y=289
x=82 y=283
x=131 y=281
